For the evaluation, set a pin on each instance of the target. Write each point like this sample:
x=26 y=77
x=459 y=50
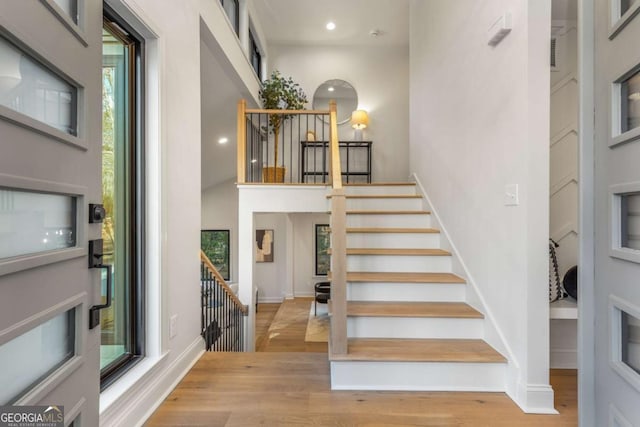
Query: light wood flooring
x=275 y=387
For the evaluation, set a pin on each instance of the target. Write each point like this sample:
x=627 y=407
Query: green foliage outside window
x=215 y=244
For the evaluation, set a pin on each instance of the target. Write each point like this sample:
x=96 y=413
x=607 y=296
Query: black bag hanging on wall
x=556 y=292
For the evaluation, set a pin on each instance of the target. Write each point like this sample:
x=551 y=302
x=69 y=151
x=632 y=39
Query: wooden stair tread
x=380 y=196
x=419 y=350
x=379 y=184
x=397 y=251
x=361 y=276
x=392 y=230
x=412 y=309
x=380 y=212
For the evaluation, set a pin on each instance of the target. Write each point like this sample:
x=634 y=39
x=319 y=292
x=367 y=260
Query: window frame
x=317 y=228
x=135 y=192
x=235 y=23
x=254 y=52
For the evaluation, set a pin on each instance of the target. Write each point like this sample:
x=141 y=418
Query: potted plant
x=279 y=93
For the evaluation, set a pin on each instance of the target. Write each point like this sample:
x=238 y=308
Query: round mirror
x=344 y=94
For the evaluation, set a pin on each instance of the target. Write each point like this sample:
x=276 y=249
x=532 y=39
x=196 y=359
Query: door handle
x=95 y=261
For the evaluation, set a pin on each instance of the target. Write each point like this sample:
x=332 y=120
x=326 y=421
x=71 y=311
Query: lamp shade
x=359 y=119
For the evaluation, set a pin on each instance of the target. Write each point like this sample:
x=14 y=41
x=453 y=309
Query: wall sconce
x=359 y=121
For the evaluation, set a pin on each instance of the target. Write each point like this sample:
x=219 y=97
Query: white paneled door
x=617 y=213
x=50 y=171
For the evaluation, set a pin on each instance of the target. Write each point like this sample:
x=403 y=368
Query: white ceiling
x=287 y=22
x=304 y=21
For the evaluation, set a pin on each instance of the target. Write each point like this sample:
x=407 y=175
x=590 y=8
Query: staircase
x=408 y=325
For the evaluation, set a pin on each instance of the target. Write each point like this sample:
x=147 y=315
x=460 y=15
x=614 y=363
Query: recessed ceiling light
x=331 y=89
x=331 y=25
x=223 y=140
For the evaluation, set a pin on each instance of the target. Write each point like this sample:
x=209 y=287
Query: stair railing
x=282 y=146
x=223 y=316
x=338 y=241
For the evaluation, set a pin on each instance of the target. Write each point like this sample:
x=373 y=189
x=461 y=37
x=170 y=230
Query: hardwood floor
x=287 y=328
x=276 y=387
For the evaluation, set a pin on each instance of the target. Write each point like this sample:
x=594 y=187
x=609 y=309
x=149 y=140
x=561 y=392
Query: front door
x=50 y=171
x=617 y=213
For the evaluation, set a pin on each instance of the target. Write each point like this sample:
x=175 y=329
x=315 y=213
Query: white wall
x=563 y=179
x=480 y=121
x=380 y=75
x=563 y=221
x=304 y=277
x=273 y=278
x=292 y=272
x=220 y=212
x=173 y=137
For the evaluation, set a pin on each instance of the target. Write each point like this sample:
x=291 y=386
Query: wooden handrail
x=338 y=241
x=227 y=289
x=242 y=142
x=260 y=111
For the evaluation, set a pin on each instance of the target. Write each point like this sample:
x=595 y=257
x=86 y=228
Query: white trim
x=563 y=359
x=586 y=188
x=616 y=306
x=562 y=83
x=563 y=182
x=272 y=300
x=75 y=412
x=562 y=232
x=617 y=22
x=615 y=416
x=133 y=398
x=67 y=21
x=32 y=260
x=562 y=133
x=536 y=399
x=503 y=346
x=617 y=136
x=55 y=378
x=615 y=221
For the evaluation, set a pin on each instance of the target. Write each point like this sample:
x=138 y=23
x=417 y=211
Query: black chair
x=322 y=295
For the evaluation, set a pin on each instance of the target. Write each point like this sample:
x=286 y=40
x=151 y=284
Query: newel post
x=242 y=141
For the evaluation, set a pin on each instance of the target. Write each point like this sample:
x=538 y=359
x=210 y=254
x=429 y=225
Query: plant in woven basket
x=281 y=93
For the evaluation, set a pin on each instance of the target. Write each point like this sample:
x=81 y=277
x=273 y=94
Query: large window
x=232 y=9
x=323 y=242
x=256 y=56
x=215 y=245
x=123 y=196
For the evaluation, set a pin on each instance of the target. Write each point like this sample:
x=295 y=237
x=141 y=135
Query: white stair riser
x=392 y=221
x=416 y=327
x=418 y=376
x=398 y=263
x=393 y=240
x=378 y=190
x=435 y=292
x=400 y=204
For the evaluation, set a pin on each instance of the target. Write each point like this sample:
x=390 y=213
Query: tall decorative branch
x=280 y=93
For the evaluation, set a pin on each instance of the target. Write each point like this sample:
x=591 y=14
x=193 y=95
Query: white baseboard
x=563 y=359
x=138 y=402
x=536 y=399
x=270 y=300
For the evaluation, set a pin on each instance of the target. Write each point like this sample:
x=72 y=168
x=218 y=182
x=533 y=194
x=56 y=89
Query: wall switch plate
x=173 y=326
x=511 y=197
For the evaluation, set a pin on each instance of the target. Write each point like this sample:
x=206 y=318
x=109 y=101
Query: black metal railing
x=223 y=319
x=274 y=139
